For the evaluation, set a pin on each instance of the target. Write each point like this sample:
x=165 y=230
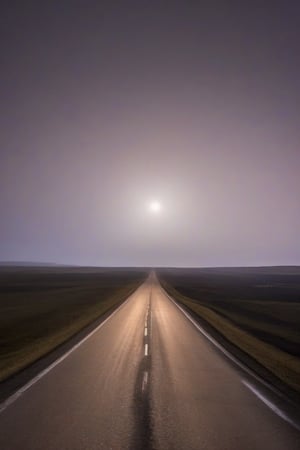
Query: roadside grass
x=264 y=328
x=40 y=308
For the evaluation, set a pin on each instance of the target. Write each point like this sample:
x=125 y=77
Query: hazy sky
x=106 y=106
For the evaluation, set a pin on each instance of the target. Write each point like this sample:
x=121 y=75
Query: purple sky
x=104 y=108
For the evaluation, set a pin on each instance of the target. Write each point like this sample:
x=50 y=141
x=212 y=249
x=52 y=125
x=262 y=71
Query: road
x=146 y=379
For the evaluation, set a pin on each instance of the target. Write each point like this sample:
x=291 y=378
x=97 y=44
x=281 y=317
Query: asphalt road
x=146 y=379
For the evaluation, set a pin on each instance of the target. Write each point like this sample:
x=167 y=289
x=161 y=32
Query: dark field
x=256 y=309
x=41 y=307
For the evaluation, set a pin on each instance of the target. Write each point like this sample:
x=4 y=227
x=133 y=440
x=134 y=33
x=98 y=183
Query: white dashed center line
x=145 y=381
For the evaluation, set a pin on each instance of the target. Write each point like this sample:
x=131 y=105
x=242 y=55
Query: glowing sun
x=155 y=207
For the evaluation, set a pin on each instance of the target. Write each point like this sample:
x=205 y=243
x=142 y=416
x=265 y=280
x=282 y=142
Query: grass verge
x=234 y=326
x=40 y=308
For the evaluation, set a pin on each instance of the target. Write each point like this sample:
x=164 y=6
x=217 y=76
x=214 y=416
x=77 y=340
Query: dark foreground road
x=147 y=379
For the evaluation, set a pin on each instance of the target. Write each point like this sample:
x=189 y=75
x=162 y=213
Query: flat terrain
x=256 y=309
x=146 y=379
x=41 y=307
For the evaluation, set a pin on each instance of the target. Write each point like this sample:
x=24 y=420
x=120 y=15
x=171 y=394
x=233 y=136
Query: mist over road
x=146 y=379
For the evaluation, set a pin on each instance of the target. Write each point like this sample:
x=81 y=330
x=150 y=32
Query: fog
x=105 y=109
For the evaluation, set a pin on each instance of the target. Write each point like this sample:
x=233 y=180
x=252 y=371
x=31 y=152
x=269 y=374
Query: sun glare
x=155 y=207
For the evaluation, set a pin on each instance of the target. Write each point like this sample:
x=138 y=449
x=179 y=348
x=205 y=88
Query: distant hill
x=242 y=270
x=28 y=263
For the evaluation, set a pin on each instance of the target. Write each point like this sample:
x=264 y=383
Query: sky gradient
x=106 y=106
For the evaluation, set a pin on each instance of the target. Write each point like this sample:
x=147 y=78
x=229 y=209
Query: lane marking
x=146 y=349
x=216 y=343
x=146 y=331
x=12 y=398
x=270 y=405
x=239 y=364
x=145 y=381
